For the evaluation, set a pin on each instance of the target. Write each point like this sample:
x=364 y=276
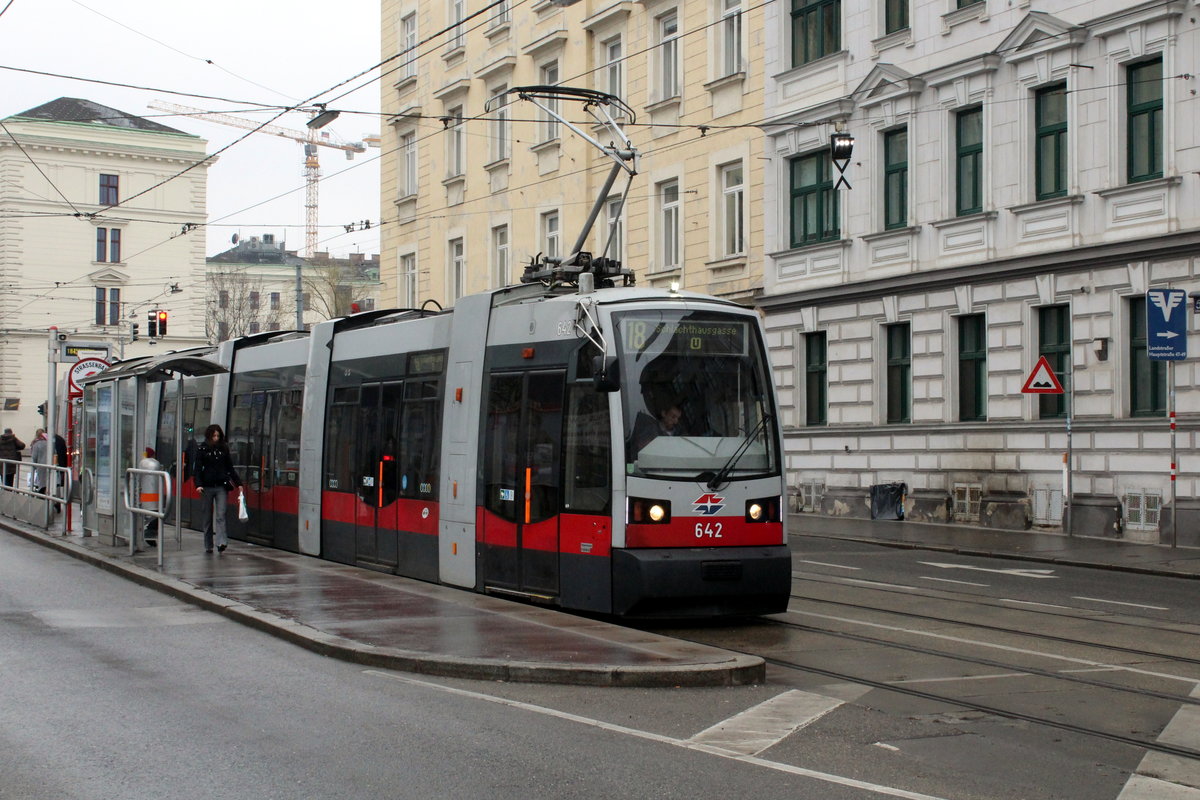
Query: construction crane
x=310 y=138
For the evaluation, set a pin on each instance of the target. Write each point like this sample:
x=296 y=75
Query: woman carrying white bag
x=215 y=477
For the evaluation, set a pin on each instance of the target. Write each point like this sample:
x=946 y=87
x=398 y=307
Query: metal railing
x=22 y=500
x=162 y=497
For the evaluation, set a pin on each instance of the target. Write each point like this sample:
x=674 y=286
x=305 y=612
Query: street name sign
x=1166 y=324
x=1042 y=380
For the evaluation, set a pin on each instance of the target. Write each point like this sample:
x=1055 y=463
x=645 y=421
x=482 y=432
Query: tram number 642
x=709 y=530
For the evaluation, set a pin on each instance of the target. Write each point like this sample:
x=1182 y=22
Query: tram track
x=970 y=705
x=987 y=662
x=1014 y=631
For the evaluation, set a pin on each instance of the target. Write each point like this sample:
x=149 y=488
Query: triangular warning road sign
x=1042 y=380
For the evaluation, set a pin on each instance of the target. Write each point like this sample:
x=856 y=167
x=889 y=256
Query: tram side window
x=287 y=438
x=587 y=470
x=238 y=436
x=419 y=438
x=339 y=437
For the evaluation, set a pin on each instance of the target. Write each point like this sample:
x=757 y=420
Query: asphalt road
x=111 y=690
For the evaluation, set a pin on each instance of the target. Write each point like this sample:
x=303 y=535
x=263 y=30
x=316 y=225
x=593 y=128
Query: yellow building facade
x=472 y=189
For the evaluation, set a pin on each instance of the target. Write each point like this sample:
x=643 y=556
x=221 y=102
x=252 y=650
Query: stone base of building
x=1097 y=515
x=929 y=505
x=1010 y=511
x=846 y=501
x=1187 y=533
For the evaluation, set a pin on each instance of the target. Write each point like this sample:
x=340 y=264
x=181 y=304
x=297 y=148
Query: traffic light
x=152 y=324
x=42 y=410
x=133 y=331
x=162 y=323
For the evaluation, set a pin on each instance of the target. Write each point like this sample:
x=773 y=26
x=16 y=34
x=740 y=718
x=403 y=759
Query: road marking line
x=768 y=723
x=1164 y=777
x=1006 y=648
x=1118 y=603
x=949 y=580
x=1031 y=603
x=1020 y=573
x=826 y=777
x=825 y=564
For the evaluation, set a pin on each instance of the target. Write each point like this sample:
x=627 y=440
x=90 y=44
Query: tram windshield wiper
x=722 y=475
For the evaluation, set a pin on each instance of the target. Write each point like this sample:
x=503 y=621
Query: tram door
x=376 y=441
x=521 y=465
x=250 y=438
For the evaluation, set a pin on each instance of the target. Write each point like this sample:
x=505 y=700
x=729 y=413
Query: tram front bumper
x=701 y=581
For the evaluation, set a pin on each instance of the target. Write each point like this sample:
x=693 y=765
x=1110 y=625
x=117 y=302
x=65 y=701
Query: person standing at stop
x=215 y=476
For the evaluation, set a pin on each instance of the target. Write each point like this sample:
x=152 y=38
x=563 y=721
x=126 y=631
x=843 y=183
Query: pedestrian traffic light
x=152 y=324
x=42 y=410
x=162 y=323
x=133 y=331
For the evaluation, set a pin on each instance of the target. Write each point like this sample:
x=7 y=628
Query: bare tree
x=333 y=287
x=237 y=306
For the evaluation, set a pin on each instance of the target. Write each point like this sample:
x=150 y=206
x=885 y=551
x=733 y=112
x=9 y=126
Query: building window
x=274 y=301
x=549 y=123
x=614 y=77
x=454 y=143
x=109 y=194
x=972 y=368
x=255 y=327
x=223 y=298
x=814 y=212
x=273 y=326
x=968 y=174
x=457 y=34
x=254 y=301
x=732 y=212
x=1050 y=160
x=965 y=3
x=899 y=373
x=668 y=218
x=1054 y=342
x=895 y=179
x=1147 y=379
x=815 y=29
x=458 y=269
x=731 y=37
x=616 y=230
x=222 y=331
x=108 y=244
x=1144 y=101
x=408 y=165
x=501 y=14
x=108 y=306
x=500 y=256
x=550 y=234
x=895 y=16
x=408 y=41
x=816 y=379
x=408 y=280
x=668 y=56
x=500 y=122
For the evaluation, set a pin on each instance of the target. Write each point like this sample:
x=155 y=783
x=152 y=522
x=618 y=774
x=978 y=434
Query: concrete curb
x=734 y=669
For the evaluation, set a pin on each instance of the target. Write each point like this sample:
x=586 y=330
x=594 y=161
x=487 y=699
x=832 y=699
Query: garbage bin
x=887 y=500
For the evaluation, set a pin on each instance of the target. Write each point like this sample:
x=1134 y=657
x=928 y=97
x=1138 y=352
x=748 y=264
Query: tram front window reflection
x=695 y=388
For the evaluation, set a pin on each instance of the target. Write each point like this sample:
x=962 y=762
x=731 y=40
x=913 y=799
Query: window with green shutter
x=899 y=372
x=968 y=174
x=972 y=368
x=1050 y=157
x=1054 y=342
x=1144 y=106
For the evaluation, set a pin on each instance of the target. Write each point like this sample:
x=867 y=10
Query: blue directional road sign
x=1166 y=324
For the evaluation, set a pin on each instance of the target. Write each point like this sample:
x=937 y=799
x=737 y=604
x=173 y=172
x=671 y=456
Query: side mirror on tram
x=606 y=374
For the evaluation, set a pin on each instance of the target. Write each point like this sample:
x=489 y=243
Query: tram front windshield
x=696 y=396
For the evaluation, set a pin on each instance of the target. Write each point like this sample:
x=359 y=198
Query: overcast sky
x=262 y=51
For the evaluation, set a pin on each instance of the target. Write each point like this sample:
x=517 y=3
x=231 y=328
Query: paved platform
x=382 y=620
x=1044 y=546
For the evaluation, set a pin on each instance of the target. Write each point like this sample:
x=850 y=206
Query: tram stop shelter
x=133 y=405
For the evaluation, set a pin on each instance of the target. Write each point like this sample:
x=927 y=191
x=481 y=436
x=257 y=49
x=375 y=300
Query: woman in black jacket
x=215 y=476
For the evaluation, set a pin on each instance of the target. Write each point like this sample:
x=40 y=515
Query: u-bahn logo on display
x=708 y=504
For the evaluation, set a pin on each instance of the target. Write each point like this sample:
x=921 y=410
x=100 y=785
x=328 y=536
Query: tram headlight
x=643 y=511
x=763 y=509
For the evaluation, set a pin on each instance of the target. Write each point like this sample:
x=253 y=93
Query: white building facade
x=1021 y=179
x=94 y=235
